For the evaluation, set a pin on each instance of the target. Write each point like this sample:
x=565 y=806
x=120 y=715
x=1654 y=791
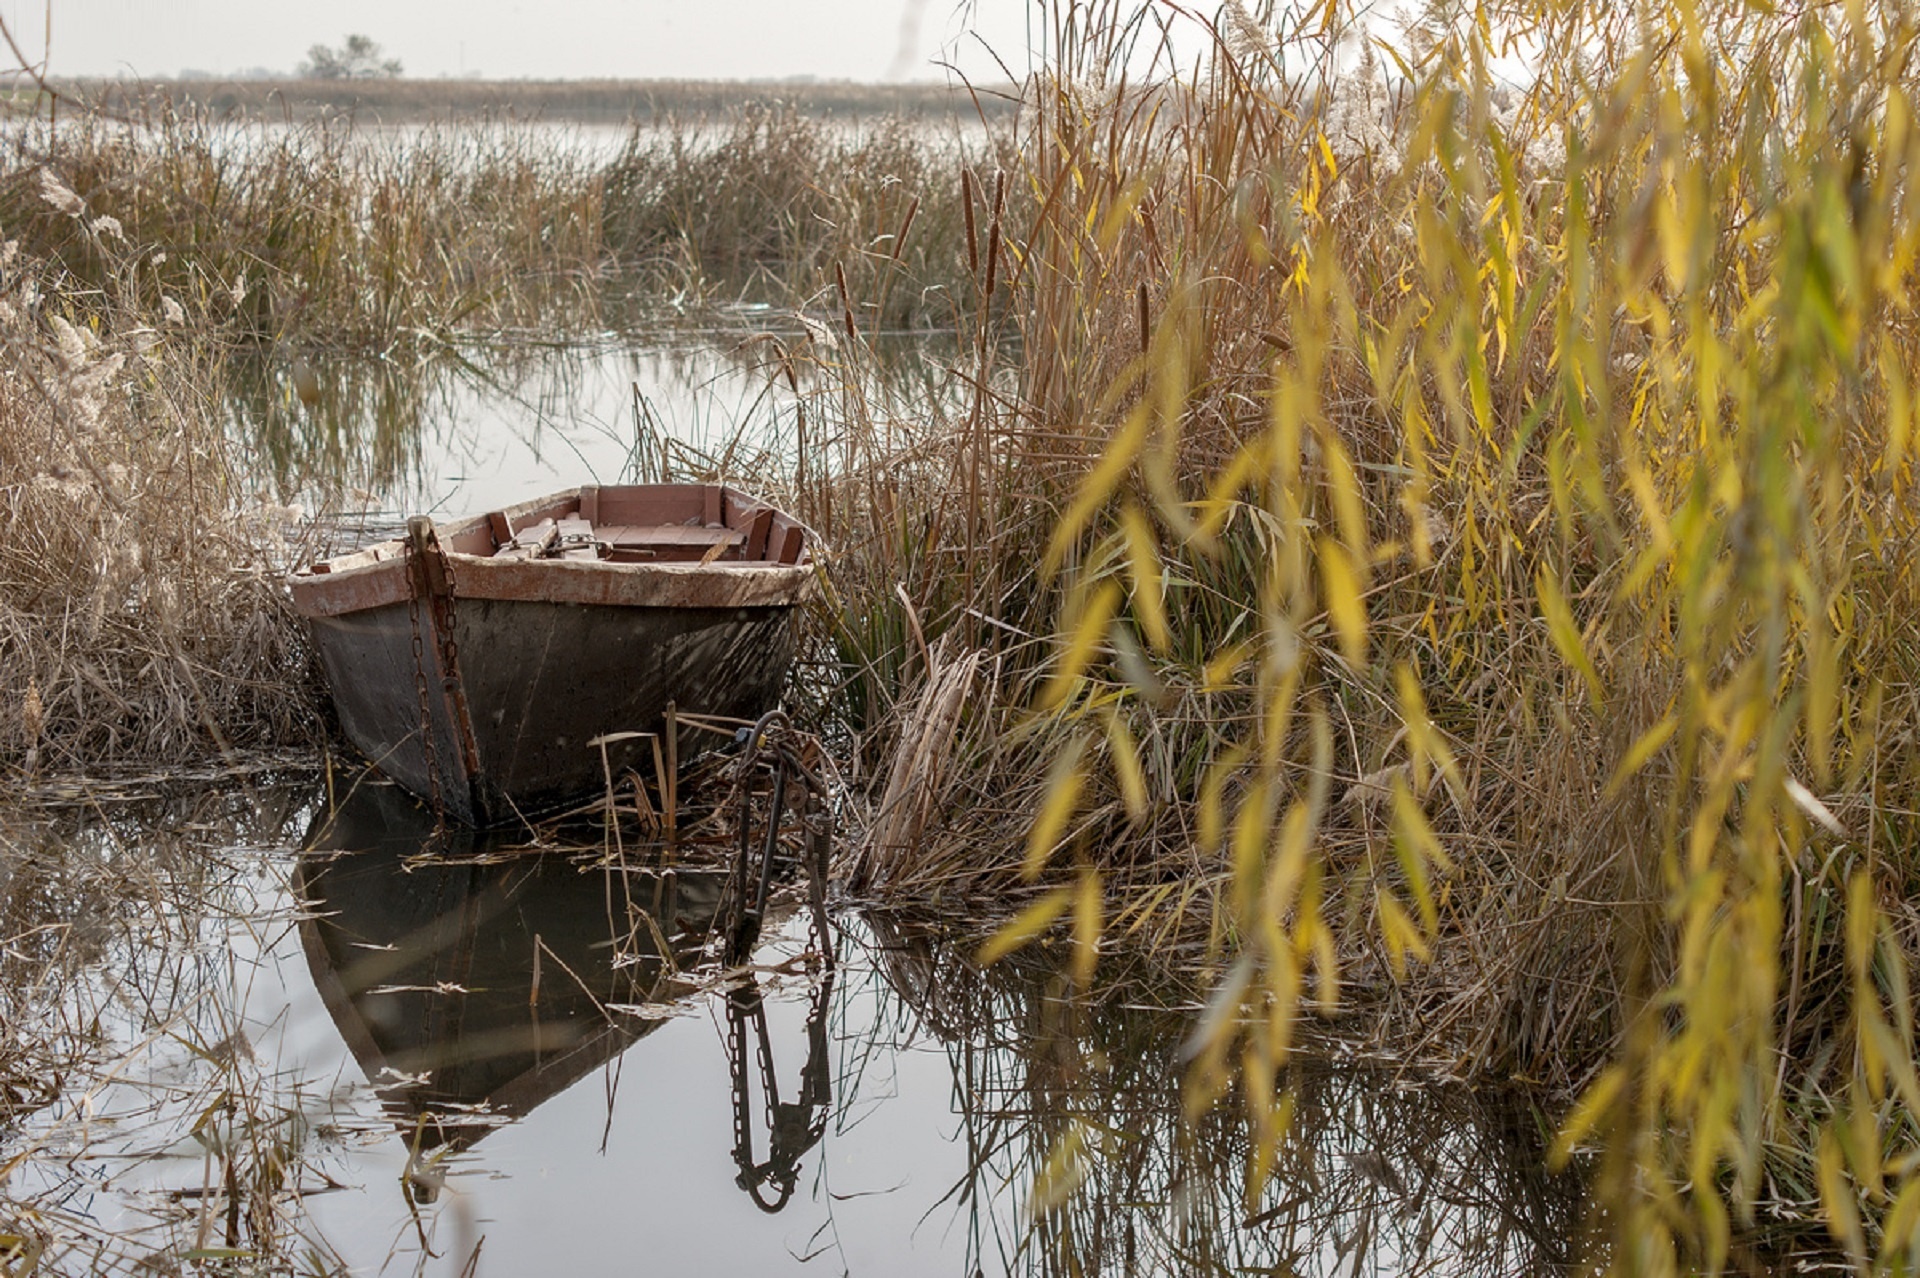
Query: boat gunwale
x=375 y=576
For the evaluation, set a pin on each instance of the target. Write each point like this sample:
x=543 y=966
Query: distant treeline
x=403 y=101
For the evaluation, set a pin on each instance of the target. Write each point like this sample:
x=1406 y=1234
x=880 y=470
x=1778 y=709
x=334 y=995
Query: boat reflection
x=472 y=984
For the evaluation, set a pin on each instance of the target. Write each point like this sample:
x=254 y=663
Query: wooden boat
x=474 y=664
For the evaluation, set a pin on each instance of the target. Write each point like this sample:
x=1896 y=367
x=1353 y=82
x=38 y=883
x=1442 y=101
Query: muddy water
x=321 y=1036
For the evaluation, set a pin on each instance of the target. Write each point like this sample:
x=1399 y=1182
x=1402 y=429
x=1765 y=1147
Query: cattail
x=973 y=239
x=993 y=230
x=846 y=302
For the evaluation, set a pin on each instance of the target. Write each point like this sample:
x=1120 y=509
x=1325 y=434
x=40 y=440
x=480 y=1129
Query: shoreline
x=405 y=101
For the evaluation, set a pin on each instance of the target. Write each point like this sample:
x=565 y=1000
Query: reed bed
x=141 y=618
x=767 y=203
x=316 y=240
x=1446 y=550
x=308 y=239
x=612 y=102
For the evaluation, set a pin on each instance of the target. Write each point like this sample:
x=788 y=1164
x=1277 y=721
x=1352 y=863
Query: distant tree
x=358 y=59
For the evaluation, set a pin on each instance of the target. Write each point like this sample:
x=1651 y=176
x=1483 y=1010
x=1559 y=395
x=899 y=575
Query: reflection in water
x=472 y=986
x=480 y=427
x=912 y=1114
x=1074 y=1107
x=473 y=980
x=793 y=1127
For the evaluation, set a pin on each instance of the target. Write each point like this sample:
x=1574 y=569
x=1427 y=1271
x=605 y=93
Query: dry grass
x=1450 y=551
x=141 y=617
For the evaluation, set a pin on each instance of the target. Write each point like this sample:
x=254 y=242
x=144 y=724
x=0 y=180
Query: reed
x=1472 y=535
x=308 y=238
x=769 y=204
x=141 y=618
x=316 y=239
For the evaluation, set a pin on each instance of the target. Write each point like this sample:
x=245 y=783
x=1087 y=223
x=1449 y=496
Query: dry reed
x=141 y=619
x=1473 y=536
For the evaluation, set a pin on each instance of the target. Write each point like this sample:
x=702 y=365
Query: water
x=478 y=428
x=283 y=1046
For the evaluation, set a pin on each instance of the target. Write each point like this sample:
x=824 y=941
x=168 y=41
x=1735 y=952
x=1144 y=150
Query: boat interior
x=652 y=523
x=632 y=524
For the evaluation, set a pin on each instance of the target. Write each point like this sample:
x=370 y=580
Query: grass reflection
x=1082 y=1160
x=741 y=397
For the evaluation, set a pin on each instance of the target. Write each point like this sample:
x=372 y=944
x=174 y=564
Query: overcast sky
x=540 y=39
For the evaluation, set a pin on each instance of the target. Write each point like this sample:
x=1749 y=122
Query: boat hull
x=542 y=680
x=485 y=684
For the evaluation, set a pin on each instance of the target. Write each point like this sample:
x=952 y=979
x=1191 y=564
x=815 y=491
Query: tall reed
x=1480 y=550
x=310 y=236
x=767 y=204
x=141 y=616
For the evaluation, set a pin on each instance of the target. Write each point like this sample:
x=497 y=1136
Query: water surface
x=285 y=1024
x=332 y=1037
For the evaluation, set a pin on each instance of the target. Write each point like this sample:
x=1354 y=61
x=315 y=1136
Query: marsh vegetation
x=1425 y=551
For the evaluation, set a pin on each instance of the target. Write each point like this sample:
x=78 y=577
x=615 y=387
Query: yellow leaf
x=1425 y=744
x=1417 y=847
x=1087 y=903
x=1644 y=748
x=1065 y=1168
x=1837 y=1197
x=1587 y=1114
x=1023 y=927
x=1101 y=483
x=1089 y=635
x=1823 y=700
x=1065 y=779
x=1149 y=599
x=1212 y=818
x=1400 y=932
x=1565 y=633
x=1349 y=504
x=1345 y=603
x=1862 y=922
x=1126 y=766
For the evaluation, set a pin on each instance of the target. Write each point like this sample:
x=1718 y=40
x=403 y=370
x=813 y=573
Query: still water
x=285 y=1026
x=329 y=1039
x=467 y=430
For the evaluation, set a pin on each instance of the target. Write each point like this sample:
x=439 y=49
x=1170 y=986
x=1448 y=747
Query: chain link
x=443 y=622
